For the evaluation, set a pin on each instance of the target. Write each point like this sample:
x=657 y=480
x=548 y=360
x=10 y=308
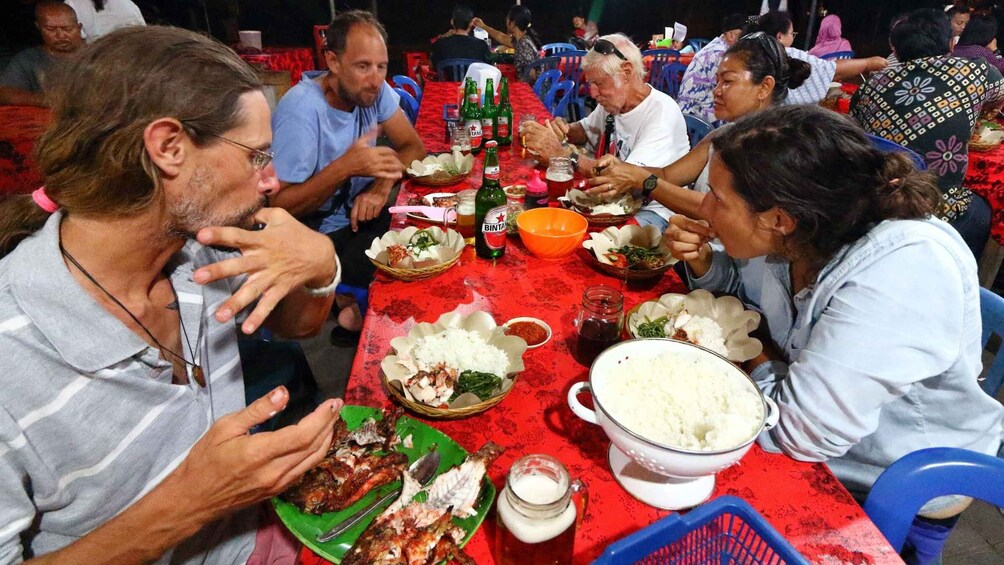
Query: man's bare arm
x=360 y=160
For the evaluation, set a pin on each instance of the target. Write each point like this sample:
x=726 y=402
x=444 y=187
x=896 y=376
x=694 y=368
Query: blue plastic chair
x=571 y=69
x=405 y=82
x=838 y=55
x=544 y=64
x=544 y=82
x=698 y=43
x=725 y=530
x=555 y=48
x=559 y=108
x=696 y=129
x=659 y=58
x=454 y=70
x=408 y=104
x=917 y=477
x=992 y=312
x=885 y=145
x=670 y=77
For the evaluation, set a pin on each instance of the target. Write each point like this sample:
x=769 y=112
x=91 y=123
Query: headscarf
x=829 y=40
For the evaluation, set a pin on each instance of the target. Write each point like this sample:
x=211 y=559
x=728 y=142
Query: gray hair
x=610 y=64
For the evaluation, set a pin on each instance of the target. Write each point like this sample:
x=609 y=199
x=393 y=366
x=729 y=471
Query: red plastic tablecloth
x=985 y=177
x=296 y=60
x=20 y=128
x=803 y=501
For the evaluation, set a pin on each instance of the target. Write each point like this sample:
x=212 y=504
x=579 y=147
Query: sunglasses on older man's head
x=605 y=47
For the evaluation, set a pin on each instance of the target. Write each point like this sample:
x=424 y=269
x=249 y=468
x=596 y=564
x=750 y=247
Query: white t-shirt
x=653 y=134
x=116 y=14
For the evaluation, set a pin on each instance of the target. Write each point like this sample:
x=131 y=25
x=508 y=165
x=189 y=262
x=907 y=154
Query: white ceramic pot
x=658 y=458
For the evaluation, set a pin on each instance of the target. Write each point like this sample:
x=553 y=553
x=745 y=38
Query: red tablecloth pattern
x=296 y=60
x=985 y=176
x=20 y=128
x=804 y=501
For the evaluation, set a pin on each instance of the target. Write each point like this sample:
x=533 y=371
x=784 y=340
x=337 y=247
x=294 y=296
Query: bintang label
x=503 y=129
x=474 y=131
x=494 y=226
x=492 y=173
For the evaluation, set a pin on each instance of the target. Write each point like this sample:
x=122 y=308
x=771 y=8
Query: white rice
x=686 y=406
x=705 y=332
x=461 y=350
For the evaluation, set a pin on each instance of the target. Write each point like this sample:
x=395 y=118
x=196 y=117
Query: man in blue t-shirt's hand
x=324 y=134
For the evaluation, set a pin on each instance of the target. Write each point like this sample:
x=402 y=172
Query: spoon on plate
x=422 y=470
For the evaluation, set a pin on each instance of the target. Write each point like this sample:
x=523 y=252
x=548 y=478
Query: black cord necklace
x=197 y=372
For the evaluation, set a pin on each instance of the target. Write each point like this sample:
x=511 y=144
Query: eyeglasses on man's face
x=259 y=159
x=605 y=47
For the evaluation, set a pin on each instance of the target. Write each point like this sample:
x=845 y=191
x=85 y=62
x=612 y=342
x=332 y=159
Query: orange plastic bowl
x=551 y=233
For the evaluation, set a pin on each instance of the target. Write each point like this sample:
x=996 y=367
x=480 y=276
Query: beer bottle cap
x=491 y=143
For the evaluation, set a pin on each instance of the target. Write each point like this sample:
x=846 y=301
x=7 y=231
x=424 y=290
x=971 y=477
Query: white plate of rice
x=720 y=324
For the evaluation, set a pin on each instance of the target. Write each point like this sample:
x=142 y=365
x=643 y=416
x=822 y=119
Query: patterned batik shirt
x=931 y=106
x=526 y=53
x=696 y=95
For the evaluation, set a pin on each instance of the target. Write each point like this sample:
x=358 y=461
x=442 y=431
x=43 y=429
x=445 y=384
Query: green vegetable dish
x=653 y=328
x=422 y=240
x=482 y=385
x=635 y=257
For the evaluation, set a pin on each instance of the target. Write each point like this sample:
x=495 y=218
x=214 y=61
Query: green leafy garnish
x=653 y=328
x=422 y=240
x=644 y=257
x=482 y=385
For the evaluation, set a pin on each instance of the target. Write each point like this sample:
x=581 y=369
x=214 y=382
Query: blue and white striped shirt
x=90 y=420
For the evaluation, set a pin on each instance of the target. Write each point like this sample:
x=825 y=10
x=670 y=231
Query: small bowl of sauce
x=533 y=331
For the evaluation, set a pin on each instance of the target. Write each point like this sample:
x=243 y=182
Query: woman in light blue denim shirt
x=871 y=305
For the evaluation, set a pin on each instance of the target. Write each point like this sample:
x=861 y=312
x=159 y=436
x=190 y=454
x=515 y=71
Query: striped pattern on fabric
x=90 y=420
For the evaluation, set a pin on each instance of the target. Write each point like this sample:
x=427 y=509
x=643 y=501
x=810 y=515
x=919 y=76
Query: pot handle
x=773 y=413
x=576 y=406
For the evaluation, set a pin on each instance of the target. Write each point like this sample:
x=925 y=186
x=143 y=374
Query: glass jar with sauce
x=599 y=322
x=537 y=514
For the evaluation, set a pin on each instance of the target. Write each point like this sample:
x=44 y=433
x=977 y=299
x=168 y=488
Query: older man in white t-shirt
x=648 y=127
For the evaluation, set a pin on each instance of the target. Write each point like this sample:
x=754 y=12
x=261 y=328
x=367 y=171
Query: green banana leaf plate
x=306 y=527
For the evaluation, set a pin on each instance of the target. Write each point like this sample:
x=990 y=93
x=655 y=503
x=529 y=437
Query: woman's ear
x=766 y=89
x=778 y=222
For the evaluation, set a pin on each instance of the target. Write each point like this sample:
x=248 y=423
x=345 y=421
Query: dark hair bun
x=800 y=71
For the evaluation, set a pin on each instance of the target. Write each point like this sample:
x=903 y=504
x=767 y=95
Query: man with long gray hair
x=125 y=281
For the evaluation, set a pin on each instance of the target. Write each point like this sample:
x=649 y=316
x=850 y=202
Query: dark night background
x=411 y=24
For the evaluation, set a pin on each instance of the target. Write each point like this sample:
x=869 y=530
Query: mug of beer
x=559 y=177
x=537 y=514
x=465 y=214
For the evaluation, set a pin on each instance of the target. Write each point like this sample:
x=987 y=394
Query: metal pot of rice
x=674 y=408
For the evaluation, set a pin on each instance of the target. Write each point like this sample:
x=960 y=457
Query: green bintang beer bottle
x=488 y=111
x=490 y=209
x=503 y=115
x=472 y=116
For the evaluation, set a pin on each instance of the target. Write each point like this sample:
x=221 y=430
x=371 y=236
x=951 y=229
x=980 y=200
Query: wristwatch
x=648 y=186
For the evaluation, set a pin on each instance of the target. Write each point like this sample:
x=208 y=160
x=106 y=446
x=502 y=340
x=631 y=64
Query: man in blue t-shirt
x=324 y=133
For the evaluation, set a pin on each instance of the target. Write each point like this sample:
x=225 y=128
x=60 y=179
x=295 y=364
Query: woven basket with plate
x=584 y=205
x=434 y=262
x=443 y=169
x=398 y=366
x=612 y=238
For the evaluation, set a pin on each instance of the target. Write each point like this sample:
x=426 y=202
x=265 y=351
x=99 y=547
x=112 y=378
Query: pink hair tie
x=43 y=200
